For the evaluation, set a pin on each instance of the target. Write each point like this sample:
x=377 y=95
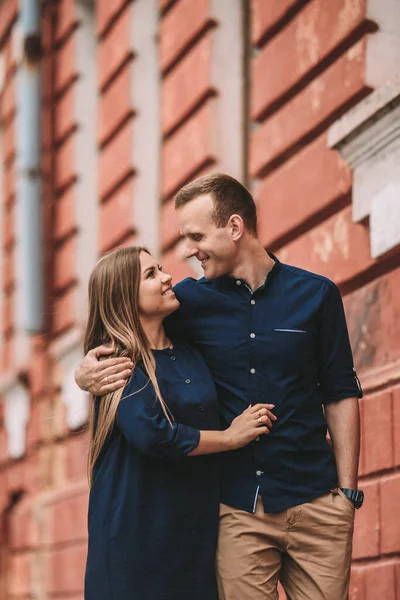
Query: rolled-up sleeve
x=337 y=375
x=144 y=425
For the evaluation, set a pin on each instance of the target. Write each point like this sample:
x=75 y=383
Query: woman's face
x=156 y=297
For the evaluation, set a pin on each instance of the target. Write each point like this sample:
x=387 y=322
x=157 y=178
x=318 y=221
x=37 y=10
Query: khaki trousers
x=307 y=547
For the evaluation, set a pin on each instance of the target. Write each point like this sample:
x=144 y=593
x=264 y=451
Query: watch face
x=356 y=496
x=359 y=499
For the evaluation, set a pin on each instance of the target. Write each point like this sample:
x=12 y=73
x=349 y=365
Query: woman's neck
x=155 y=333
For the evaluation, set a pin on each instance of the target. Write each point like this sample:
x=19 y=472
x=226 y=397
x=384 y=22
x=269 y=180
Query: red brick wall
x=186 y=32
x=115 y=124
x=307 y=70
x=305 y=62
x=8 y=192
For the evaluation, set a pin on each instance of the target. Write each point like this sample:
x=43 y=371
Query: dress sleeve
x=144 y=425
x=337 y=375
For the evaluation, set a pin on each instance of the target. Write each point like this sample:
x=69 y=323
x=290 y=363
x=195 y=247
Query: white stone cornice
x=368 y=138
x=228 y=60
x=370 y=126
x=67 y=351
x=86 y=154
x=16 y=413
x=147 y=139
x=383 y=46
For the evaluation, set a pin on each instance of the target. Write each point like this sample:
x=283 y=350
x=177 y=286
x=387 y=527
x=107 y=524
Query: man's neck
x=254 y=265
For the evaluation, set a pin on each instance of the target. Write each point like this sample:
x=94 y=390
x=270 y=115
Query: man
x=269 y=333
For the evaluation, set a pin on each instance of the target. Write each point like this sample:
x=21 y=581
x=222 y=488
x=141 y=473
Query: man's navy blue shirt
x=286 y=344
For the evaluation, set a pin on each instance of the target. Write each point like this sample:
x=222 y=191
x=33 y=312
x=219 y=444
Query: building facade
x=300 y=100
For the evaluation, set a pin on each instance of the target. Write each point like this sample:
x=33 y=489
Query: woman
x=154 y=501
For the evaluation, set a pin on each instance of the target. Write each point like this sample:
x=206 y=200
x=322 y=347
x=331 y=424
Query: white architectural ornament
x=16 y=404
x=67 y=351
x=147 y=138
x=21 y=339
x=228 y=74
x=75 y=399
x=368 y=138
x=382 y=47
x=85 y=97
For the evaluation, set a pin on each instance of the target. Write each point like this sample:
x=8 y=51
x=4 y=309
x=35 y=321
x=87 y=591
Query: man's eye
x=197 y=238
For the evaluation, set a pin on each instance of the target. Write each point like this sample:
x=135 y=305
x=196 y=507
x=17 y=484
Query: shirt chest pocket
x=294 y=348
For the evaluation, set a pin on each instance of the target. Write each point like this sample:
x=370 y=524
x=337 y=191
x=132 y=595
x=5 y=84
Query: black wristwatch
x=356 y=496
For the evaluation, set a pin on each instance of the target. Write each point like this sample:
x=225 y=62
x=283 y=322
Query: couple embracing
x=210 y=470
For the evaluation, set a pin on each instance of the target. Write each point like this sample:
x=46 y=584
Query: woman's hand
x=254 y=421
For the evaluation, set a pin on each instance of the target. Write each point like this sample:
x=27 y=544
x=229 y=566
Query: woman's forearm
x=246 y=427
x=212 y=442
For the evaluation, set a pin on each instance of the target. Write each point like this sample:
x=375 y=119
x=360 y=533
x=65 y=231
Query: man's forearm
x=101 y=377
x=343 y=418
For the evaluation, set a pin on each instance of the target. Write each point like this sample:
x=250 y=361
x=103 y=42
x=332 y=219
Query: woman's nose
x=166 y=278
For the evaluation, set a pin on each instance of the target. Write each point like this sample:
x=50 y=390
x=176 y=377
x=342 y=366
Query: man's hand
x=101 y=377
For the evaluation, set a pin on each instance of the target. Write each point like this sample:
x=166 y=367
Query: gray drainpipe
x=29 y=255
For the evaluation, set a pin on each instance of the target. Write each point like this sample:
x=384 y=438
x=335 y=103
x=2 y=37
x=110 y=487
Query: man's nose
x=190 y=251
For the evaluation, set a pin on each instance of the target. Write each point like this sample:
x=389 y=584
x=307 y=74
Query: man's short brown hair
x=229 y=196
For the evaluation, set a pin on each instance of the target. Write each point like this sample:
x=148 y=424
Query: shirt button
x=173 y=358
x=201 y=408
x=187 y=381
x=252 y=335
x=238 y=282
x=258 y=473
x=252 y=371
x=252 y=301
x=257 y=438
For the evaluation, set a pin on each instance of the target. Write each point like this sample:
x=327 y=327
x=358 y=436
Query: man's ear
x=236 y=227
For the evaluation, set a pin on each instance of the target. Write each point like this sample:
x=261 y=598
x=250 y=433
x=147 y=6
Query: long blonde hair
x=114 y=320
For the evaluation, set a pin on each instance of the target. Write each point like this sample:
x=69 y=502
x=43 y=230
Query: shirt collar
x=226 y=281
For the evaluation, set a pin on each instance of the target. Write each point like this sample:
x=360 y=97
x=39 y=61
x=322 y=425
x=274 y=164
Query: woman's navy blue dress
x=153 y=511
